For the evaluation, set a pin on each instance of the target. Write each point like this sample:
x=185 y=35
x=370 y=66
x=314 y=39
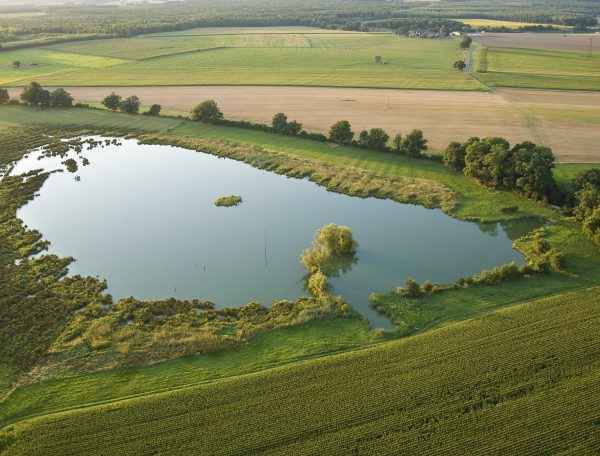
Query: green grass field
x=539 y=68
x=518 y=381
x=308 y=58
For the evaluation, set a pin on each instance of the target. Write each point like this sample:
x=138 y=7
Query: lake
x=143 y=217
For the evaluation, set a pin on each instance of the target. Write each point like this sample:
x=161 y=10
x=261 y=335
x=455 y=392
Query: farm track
x=566 y=121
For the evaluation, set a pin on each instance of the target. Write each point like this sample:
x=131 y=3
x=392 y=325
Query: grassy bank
x=518 y=381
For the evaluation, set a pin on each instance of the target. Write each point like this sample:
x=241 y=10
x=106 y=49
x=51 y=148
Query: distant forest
x=32 y=25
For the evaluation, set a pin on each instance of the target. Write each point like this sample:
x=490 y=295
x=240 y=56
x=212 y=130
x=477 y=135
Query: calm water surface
x=143 y=217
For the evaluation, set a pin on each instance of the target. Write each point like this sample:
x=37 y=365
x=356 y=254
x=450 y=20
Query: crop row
x=506 y=382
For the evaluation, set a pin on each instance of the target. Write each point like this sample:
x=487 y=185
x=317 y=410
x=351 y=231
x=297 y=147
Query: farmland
x=483 y=23
x=565 y=121
x=540 y=68
x=509 y=382
x=408 y=262
x=294 y=58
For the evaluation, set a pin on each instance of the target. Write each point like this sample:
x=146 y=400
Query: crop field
x=522 y=380
x=310 y=58
x=541 y=68
x=545 y=41
x=500 y=23
x=444 y=116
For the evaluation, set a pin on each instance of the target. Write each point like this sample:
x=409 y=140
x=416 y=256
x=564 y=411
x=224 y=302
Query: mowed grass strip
x=518 y=381
x=38 y=63
x=327 y=59
x=539 y=68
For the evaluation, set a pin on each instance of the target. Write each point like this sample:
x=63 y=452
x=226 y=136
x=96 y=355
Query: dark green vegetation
x=518 y=381
x=228 y=201
x=34 y=25
x=345 y=169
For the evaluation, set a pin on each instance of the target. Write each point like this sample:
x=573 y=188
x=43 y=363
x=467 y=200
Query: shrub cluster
x=540 y=255
x=129 y=105
x=587 y=199
x=525 y=167
x=35 y=95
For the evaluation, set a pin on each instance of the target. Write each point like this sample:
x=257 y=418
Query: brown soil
x=557 y=41
x=537 y=115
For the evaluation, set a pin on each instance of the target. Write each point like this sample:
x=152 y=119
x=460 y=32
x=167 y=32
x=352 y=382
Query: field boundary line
x=191 y=51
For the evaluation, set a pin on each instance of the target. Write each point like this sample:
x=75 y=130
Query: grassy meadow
x=305 y=58
x=540 y=68
x=521 y=381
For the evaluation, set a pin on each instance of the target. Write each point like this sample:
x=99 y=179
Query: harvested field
x=566 y=121
x=556 y=41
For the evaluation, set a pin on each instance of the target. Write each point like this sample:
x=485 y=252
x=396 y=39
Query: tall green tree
x=341 y=133
x=154 y=110
x=414 y=144
x=280 y=122
x=60 y=98
x=454 y=156
x=35 y=95
x=207 y=111
x=130 y=105
x=112 y=101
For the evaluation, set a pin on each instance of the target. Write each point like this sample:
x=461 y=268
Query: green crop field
x=312 y=58
x=540 y=68
x=518 y=381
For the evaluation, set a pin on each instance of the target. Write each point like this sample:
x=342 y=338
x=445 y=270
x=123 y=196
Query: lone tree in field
x=377 y=59
x=35 y=95
x=414 y=144
x=207 y=111
x=460 y=65
x=341 y=133
x=17 y=64
x=280 y=122
x=154 y=110
x=466 y=41
x=4 y=97
x=112 y=102
x=130 y=105
x=60 y=98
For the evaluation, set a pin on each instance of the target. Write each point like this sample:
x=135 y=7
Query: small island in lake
x=228 y=201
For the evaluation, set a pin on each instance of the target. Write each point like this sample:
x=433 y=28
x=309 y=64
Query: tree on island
x=207 y=111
